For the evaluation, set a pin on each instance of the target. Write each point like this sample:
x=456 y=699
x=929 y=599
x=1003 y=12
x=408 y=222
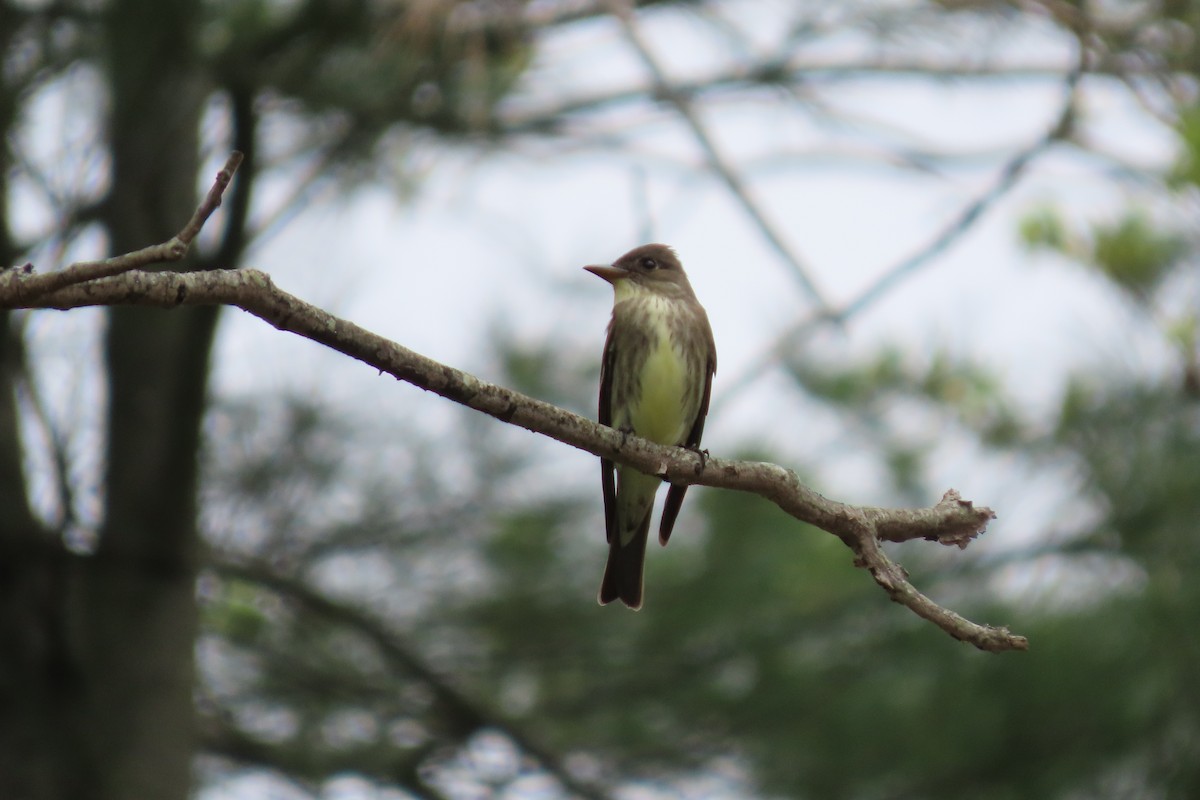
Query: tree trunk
x=96 y=650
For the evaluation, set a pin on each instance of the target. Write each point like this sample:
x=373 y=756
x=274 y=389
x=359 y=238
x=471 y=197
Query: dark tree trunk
x=96 y=651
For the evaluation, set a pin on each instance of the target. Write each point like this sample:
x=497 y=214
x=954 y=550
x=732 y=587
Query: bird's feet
x=704 y=454
x=625 y=434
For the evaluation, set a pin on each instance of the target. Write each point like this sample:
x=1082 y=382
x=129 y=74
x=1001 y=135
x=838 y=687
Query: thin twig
x=174 y=249
x=1007 y=178
x=622 y=10
x=775 y=71
x=56 y=444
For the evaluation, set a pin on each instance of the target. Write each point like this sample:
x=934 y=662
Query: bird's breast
x=659 y=414
x=661 y=404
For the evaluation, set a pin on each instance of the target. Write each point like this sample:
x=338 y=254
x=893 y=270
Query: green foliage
x=371 y=65
x=1182 y=332
x=568 y=378
x=1139 y=449
x=1186 y=171
x=759 y=640
x=942 y=384
x=1142 y=448
x=966 y=389
x=1135 y=253
x=655 y=691
x=236 y=614
x=974 y=395
x=1044 y=227
x=1134 y=446
x=857 y=384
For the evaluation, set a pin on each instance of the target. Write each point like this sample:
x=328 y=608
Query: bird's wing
x=675 y=494
x=607 y=476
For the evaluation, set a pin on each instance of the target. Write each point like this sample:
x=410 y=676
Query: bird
x=656 y=378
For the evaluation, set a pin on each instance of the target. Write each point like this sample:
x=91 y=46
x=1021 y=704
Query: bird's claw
x=703 y=454
x=625 y=433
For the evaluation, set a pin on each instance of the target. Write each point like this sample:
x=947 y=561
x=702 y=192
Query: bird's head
x=651 y=267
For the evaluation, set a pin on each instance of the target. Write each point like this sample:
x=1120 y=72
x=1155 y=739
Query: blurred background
x=942 y=244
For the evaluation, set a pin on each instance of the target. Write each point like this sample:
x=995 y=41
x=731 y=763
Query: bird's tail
x=623 y=572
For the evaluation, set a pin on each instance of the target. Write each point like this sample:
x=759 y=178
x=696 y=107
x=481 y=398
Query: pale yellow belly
x=659 y=413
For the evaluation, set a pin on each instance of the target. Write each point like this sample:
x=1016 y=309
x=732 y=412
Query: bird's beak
x=609 y=273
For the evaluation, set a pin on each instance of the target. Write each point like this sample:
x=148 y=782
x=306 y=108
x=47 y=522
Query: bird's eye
x=649 y=264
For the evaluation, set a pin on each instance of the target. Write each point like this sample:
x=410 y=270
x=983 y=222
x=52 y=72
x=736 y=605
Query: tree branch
x=119 y=281
x=956 y=229
x=623 y=11
x=29 y=286
x=952 y=521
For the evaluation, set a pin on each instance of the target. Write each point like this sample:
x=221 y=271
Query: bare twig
x=211 y=201
x=56 y=445
x=717 y=162
x=1008 y=177
x=1005 y=180
x=952 y=521
x=774 y=70
x=174 y=249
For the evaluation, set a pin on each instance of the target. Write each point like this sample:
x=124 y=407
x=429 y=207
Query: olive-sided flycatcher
x=655 y=382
